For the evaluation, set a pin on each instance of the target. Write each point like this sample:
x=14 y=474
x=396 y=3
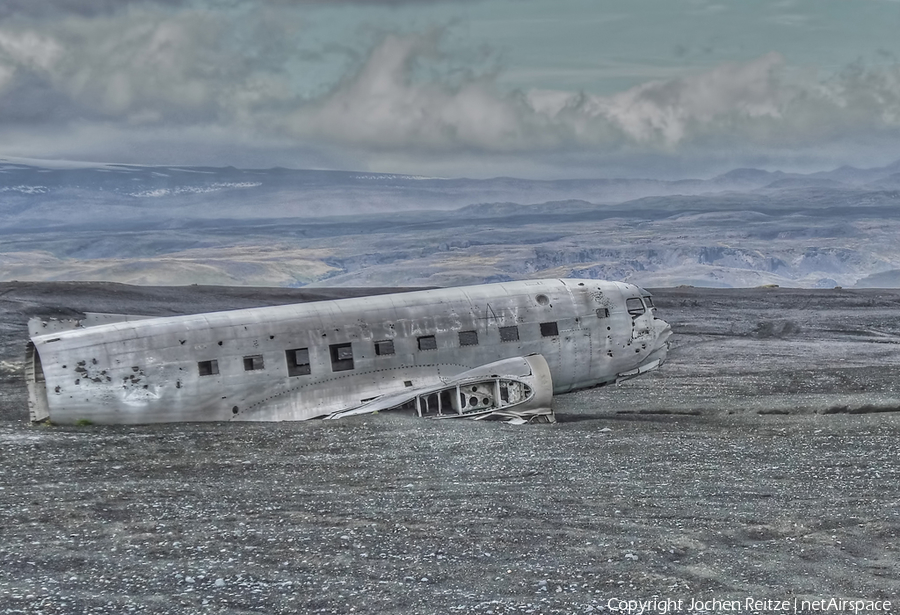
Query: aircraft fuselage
x=308 y=360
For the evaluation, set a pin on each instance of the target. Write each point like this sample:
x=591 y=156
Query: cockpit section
x=635 y=306
x=638 y=301
x=649 y=335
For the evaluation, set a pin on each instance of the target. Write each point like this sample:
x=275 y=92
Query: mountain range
x=283 y=227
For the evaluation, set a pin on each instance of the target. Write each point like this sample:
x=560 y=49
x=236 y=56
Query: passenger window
x=208 y=368
x=468 y=338
x=253 y=363
x=634 y=306
x=298 y=361
x=427 y=342
x=341 y=357
x=549 y=329
x=384 y=347
x=509 y=334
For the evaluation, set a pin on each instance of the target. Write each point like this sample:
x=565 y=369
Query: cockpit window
x=648 y=300
x=634 y=306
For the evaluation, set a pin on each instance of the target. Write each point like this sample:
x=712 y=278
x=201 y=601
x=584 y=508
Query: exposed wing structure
x=519 y=389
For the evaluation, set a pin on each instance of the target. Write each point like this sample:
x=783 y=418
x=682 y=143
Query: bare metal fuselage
x=476 y=348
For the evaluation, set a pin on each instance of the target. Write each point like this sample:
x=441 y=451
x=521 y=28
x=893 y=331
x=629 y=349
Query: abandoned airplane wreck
x=493 y=350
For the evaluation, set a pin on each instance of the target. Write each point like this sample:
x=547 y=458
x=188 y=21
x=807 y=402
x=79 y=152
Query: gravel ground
x=761 y=461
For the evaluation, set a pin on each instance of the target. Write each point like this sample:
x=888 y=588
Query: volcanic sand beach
x=761 y=461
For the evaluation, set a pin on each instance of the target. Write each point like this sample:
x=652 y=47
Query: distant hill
x=882 y=279
x=284 y=227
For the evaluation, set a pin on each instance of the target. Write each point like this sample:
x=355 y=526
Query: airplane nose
x=661 y=332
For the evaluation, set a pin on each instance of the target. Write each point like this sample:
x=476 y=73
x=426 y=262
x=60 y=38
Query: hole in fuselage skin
x=234 y=410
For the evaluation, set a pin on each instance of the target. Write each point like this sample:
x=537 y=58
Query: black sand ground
x=762 y=461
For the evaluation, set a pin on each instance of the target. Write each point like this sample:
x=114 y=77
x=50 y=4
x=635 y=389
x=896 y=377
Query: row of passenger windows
x=342 y=354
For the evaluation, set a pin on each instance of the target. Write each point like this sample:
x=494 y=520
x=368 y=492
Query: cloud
x=669 y=112
x=53 y=9
x=147 y=66
x=383 y=106
x=160 y=68
x=759 y=102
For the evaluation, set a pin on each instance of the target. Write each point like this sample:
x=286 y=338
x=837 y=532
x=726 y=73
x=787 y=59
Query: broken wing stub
x=519 y=389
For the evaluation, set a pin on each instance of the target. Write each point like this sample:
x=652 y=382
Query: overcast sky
x=530 y=88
